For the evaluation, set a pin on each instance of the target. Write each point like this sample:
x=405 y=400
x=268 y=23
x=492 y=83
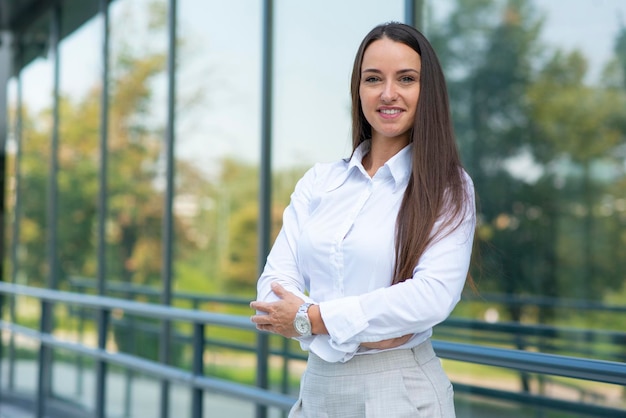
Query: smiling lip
x=390 y=112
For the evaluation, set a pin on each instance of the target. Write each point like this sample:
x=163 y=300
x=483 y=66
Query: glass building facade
x=152 y=145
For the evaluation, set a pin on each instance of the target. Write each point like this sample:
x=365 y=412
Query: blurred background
x=136 y=173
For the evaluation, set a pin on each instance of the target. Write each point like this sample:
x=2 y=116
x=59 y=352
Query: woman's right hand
x=386 y=344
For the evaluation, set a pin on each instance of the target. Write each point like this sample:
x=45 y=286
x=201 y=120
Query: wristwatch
x=301 y=322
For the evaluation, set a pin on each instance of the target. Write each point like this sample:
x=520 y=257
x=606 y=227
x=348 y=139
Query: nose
x=389 y=93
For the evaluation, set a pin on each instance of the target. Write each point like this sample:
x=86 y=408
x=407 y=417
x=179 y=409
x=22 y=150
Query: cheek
x=366 y=107
x=363 y=100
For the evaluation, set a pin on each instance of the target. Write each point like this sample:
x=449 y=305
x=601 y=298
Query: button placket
x=343 y=230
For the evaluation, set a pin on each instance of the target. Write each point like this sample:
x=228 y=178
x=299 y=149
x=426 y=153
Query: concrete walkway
x=9 y=411
x=144 y=394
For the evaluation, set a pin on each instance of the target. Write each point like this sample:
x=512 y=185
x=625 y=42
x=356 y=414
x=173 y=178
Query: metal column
x=414 y=13
x=103 y=316
x=44 y=381
x=168 y=229
x=5 y=74
x=265 y=186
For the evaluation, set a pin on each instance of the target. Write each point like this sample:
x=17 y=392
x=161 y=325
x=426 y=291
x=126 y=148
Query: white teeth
x=389 y=111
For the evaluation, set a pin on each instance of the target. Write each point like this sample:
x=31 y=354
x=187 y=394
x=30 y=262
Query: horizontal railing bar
x=564 y=347
x=512 y=333
x=551 y=364
x=139 y=308
x=537 y=330
x=578 y=368
x=541 y=401
x=159 y=370
x=508 y=327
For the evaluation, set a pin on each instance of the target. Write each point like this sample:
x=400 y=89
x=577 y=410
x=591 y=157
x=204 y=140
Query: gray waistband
x=373 y=363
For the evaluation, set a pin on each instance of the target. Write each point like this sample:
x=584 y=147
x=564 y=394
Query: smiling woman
x=375 y=249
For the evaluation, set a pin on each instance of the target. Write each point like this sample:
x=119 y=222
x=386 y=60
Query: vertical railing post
x=101 y=365
x=197 y=369
x=285 y=377
x=79 y=359
x=128 y=373
x=43 y=361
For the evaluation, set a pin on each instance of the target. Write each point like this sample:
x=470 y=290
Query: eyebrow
x=377 y=71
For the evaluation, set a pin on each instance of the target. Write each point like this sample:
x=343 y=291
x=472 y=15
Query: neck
x=381 y=151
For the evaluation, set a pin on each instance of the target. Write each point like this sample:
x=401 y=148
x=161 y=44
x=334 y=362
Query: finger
x=261 y=319
x=285 y=294
x=278 y=290
x=267 y=328
x=260 y=306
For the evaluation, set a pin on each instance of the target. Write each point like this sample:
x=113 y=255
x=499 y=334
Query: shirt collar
x=398 y=166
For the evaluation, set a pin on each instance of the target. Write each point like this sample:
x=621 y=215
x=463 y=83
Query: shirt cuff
x=344 y=318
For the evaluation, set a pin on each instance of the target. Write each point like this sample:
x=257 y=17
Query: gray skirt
x=389 y=384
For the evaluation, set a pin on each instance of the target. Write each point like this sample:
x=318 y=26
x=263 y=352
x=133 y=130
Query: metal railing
x=518 y=360
x=195 y=379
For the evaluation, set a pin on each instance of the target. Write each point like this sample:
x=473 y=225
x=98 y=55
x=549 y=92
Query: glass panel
x=79 y=136
x=31 y=264
x=539 y=114
x=217 y=146
x=37 y=103
x=312 y=84
x=136 y=136
x=314 y=52
x=78 y=164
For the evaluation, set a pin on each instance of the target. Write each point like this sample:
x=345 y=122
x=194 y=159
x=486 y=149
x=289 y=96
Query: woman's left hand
x=279 y=315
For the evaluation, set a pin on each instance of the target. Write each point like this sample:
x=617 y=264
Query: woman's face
x=390 y=88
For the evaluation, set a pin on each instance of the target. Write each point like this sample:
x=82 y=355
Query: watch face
x=302 y=325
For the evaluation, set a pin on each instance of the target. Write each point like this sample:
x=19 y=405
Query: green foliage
x=556 y=229
x=239 y=268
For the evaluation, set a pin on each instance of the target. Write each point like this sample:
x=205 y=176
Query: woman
x=375 y=250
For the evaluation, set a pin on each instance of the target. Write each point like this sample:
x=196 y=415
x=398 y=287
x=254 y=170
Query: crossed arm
x=279 y=316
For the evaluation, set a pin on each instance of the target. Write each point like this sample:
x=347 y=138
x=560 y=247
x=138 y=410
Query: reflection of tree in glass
x=545 y=231
x=135 y=196
x=215 y=212
x=546 y=151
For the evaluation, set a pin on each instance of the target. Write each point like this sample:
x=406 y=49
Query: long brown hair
x=436 y=189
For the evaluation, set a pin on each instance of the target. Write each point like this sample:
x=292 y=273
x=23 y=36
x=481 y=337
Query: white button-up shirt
x=336 y=249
